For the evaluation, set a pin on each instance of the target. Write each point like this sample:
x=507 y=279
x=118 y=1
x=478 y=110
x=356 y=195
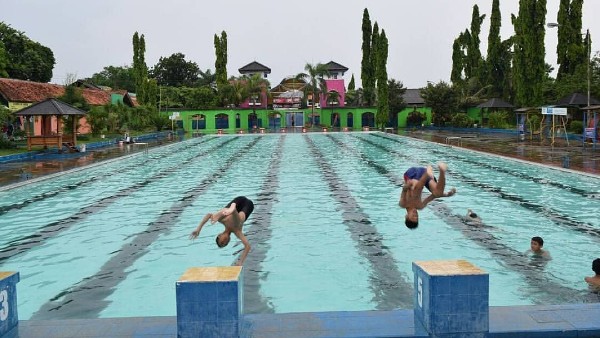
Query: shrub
x=461 y=120
x=576 y=127
x=415 y=118
x=500 y=120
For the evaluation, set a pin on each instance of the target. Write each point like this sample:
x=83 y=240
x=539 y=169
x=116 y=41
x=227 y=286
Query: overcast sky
x=86 y=36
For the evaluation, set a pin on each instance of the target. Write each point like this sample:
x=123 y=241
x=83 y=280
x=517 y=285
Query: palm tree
x=236 y=91
x=255 y=86
x=314 y=77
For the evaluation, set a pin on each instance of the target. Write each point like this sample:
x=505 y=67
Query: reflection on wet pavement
x=572 y=156
x=51 y=163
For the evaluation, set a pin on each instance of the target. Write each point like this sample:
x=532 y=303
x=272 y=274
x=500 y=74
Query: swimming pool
x=327 y=233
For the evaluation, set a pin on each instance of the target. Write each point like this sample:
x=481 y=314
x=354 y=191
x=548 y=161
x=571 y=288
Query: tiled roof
x=413 y=97
x=254 y=67
x=27 y=91
x=576 y=99
x=332 y=66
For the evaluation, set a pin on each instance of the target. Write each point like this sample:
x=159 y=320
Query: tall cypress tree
x=351 y=85
x=221 y=60
x=458 y=58
x=365 y=65
x=474 y=60
x=494 y=69
x=529 y=67
x=371 y=94
x=383 y=106
x=570 y=50
x=140 y=70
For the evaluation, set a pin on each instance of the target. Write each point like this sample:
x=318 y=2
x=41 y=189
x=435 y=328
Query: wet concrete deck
x=573 y=156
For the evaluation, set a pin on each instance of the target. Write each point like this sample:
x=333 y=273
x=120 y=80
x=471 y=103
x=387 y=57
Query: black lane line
x=87 y=299
x=24 y=243
x=389 y=286
x=551 y=214
x=259 y=236
x=548 y=291
x=37 y=198
x=538 y=180
x=510 y=257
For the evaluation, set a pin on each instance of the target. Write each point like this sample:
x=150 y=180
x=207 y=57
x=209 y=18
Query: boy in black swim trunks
x=415 y=179
x=232 y=217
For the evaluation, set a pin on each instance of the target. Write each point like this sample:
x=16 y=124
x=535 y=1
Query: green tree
x=529 y=68
x=366 y=65
x=351 y=85
x=570 y=49
x=458 y=59
x=140 y=70
x=383 y=106
x=396 y=92
x=3 y=61
x=315 y=83
x=473 y=67
x=256 y=86
x=116 y=77
x=221 y=59
x=175 y=71
x=207 y=79
x=235 y=92
x=25 y=59
x=496 y=70
x=370 y=92
x=443 y=100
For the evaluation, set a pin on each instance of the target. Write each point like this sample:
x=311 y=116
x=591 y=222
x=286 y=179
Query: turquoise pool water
x=326 y=233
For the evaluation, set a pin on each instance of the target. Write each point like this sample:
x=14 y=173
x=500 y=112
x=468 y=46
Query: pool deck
x=581 y=320
x=572 y=156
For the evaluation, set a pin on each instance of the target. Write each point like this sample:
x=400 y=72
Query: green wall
x=186 y=117
x=403 y=115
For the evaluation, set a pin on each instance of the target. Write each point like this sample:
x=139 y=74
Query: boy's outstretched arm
x=196 y=231
x=247 y=247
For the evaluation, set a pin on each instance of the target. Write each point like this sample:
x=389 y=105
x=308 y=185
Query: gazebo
x=524 y=123
x=495 y=104
x=47 y=110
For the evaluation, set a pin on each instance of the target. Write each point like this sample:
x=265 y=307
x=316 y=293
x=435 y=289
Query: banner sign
x=554 y=111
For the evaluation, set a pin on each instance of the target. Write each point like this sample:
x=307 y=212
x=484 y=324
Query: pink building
x=335 y=83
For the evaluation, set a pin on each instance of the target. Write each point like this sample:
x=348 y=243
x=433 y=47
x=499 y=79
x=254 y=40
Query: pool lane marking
x=24 y=243
x=259 y=234
x=574 y=190
x=530 y=268
x=551 y=214
x=88 y=296
x=56 y=191
x=507 y=255
x=389 y=286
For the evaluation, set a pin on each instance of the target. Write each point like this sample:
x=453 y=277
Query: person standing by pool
x=594 y=281
x=415 y=178
x=232 y=217
x=537 y=244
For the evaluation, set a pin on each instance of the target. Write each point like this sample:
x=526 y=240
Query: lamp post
x=587 y=34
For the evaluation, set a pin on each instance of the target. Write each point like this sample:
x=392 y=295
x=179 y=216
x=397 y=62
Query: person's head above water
x=536 y=243
x=411 y=218
x=596 y=266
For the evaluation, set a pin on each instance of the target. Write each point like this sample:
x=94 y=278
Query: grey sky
x=86 y=36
